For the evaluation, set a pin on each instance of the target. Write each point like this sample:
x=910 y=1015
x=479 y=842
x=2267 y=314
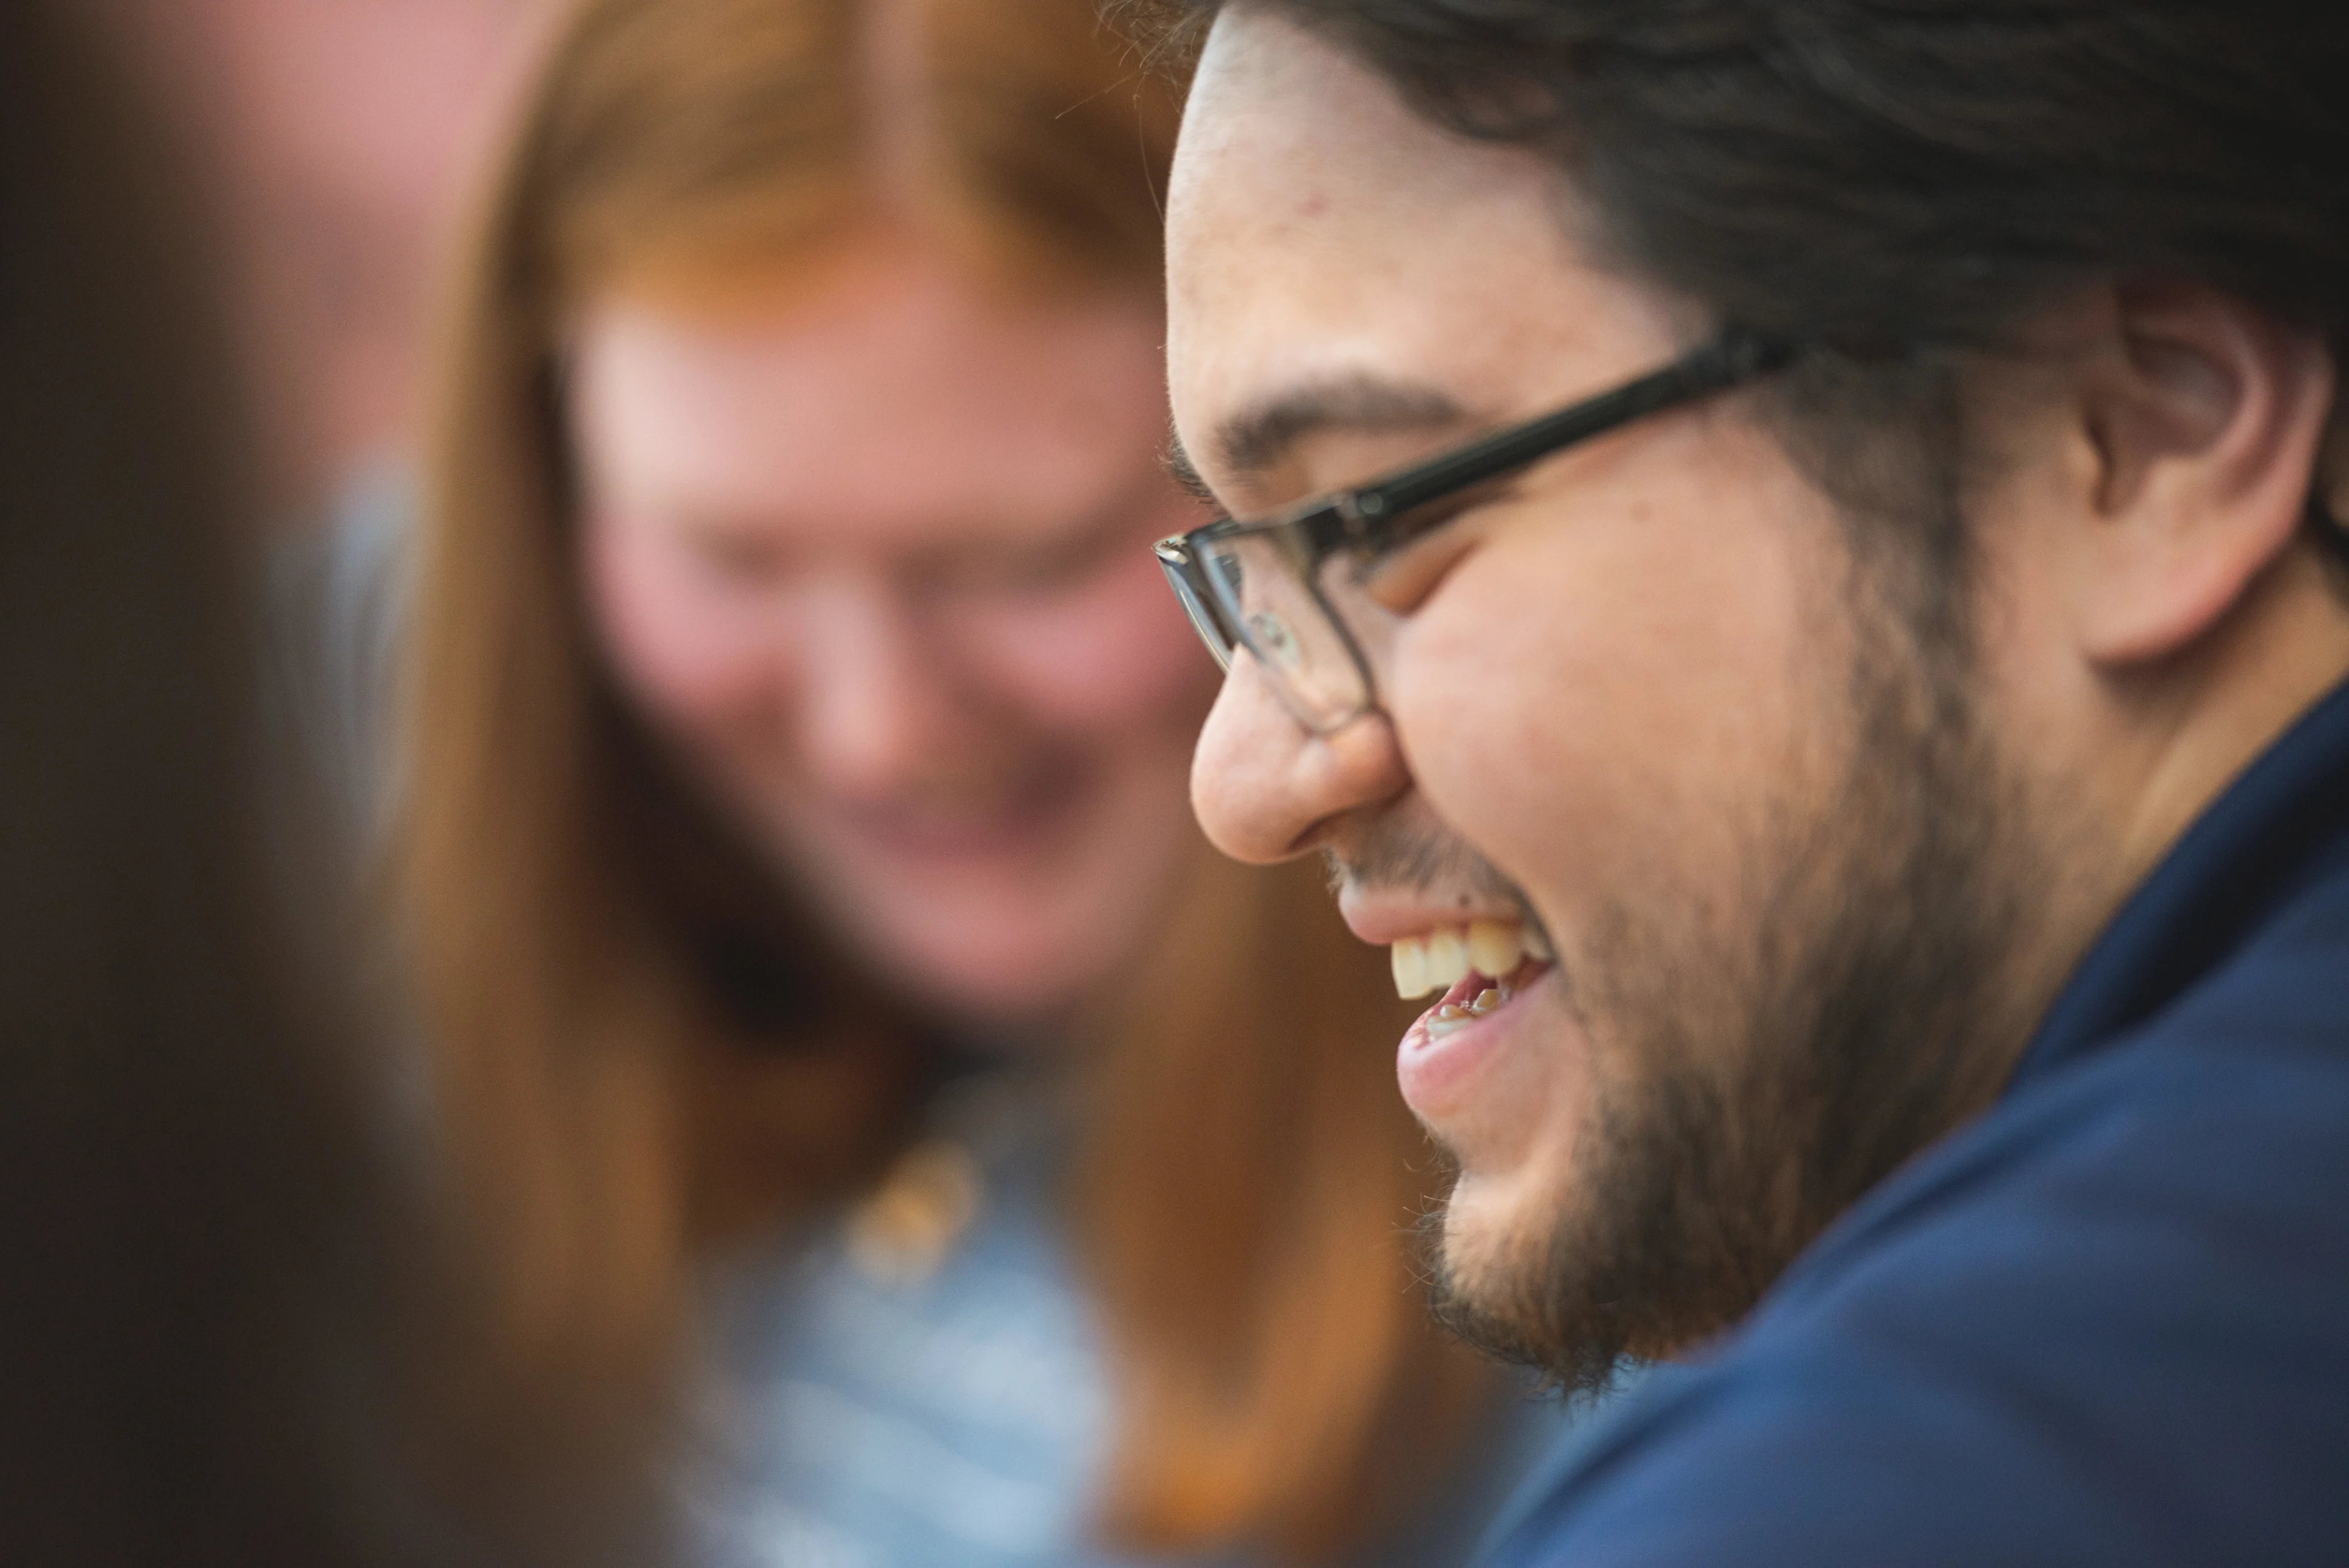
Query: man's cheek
x=1490 y=714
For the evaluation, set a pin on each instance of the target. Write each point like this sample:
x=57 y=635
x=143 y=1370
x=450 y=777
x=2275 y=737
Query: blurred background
x=341 y=140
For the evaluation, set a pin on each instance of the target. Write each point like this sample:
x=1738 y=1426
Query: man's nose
x=878 y=707
x=1265 y=789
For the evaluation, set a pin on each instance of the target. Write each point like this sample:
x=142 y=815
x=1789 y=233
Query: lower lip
x=1437 y=1075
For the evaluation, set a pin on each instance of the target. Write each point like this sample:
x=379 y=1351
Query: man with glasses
x=1790 y=558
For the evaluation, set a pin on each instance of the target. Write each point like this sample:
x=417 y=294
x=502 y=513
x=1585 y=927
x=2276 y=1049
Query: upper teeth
x=1441 y=958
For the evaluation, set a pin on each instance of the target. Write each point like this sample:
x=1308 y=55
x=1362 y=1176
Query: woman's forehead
x=900 y=398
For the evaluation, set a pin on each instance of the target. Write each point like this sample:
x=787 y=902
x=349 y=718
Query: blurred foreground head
x=188 y=1215
x=223 y=1333
x=792 y=689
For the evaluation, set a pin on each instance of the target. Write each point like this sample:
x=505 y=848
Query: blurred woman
x=793 y=831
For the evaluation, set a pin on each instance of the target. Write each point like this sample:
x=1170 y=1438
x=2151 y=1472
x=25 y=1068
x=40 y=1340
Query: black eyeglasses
x=1273 y=587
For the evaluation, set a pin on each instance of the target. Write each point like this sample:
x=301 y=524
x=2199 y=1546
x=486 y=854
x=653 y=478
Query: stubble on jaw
x=1764 y=1053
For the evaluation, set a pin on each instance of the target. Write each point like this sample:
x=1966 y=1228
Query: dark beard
x=1757 y=1068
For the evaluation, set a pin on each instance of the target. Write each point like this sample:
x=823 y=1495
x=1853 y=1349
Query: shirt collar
x=2256 y=846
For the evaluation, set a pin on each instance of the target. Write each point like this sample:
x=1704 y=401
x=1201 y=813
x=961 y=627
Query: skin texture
x=873 y=557
x=1787 y=803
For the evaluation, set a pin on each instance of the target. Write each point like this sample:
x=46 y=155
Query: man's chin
x=1469 y=1234
x=1484 y=1260
x=1510 y=1268
x=1496 y=1226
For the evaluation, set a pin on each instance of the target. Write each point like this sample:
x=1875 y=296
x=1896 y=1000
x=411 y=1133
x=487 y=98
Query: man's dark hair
x=1880 y=172
x=1900 y=181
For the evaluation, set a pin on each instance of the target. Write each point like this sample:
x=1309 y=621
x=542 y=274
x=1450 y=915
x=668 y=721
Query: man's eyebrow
x=1257 y=438
x=1183 y=471
x=1254 y=440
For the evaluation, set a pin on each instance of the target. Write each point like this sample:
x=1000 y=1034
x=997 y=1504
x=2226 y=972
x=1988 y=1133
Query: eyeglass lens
x=1206 y=618
x=1258 y=581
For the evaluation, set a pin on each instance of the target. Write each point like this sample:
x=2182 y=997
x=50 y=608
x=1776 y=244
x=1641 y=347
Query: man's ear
x=2204 y=418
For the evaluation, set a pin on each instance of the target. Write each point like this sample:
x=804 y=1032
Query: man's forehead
x=1288 y=134
x=1337 y=263
x=1266 y=89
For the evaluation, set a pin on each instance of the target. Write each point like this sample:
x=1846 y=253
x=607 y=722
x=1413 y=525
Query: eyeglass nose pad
x=1323 y=722
x=1269 y=635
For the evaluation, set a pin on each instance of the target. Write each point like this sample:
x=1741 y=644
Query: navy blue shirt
x=2107 y=1322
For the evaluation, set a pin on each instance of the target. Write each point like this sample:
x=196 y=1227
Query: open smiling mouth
x=1480 y=967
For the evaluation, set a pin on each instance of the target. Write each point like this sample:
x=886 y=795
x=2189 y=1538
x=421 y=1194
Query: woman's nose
x=1266 y=789
x=878 y=708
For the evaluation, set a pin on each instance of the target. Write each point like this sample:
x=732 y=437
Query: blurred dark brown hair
x=642 y=1040
x=177 y=1165
x=221 y=1333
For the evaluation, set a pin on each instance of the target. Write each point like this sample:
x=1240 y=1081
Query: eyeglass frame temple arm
x=1361 y=516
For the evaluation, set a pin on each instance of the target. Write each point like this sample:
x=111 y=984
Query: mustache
x=1407 y=855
